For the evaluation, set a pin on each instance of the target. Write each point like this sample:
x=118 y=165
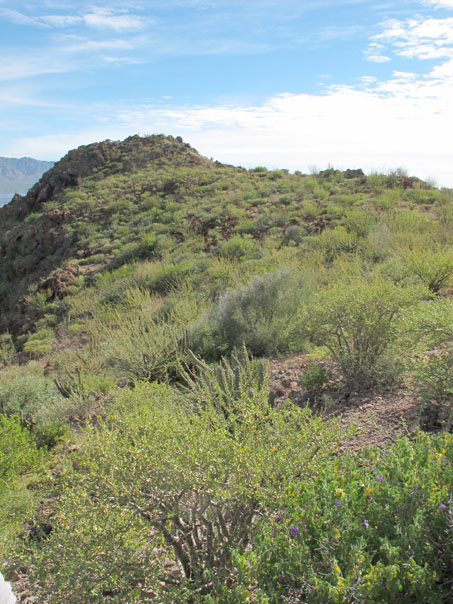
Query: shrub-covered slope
x=147 y=453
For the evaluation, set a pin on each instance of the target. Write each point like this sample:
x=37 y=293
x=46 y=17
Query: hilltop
x=194 y=358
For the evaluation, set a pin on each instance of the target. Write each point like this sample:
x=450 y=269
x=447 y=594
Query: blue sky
x=295 y=84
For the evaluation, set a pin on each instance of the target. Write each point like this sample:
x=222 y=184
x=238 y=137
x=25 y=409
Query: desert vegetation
x=146 y=454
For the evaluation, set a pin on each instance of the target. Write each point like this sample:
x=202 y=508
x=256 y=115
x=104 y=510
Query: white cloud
x=17 y=18
x=379 y=125
x=121 y=60
x=102 y=19
x=378 y=58
x=422 y=38
x=78 y=44
x=61 y=20
x=440 y=3
x=14 y=67
x=124 y=23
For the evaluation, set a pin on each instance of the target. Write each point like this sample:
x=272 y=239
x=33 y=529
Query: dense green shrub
x=433 y=374
x=18 y=454
x=226 y=388
x=157 y=475
x=40 y=343
x=313 y=381
x=357 y=321
x=371 y=527
x=434 y=267
x=237 y=247
x=140 y=347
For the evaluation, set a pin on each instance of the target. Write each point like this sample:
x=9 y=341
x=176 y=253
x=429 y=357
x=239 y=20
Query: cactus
x=229 y=385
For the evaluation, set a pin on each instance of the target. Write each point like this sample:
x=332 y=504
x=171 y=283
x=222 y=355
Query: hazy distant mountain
x=25 y=168
x=18 y=175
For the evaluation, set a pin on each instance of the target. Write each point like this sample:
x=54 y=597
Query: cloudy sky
x=294 y=84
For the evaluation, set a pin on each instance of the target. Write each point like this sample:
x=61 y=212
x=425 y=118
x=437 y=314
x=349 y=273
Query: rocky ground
x=378 y=417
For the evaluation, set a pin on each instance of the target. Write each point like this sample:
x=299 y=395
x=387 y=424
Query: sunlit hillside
x=192 y=360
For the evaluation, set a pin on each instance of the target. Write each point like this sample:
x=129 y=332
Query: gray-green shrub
x=260 y=314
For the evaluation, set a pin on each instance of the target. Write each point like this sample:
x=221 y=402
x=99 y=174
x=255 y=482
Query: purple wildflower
x=338 y=503
x=379 y=477
x=385 y=452
x=366 y=523
x=294 y=531
x=442 y=506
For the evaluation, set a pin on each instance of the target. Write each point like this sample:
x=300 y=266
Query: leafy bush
x=7 y=348
x=26 y=395
x=371 y=527
x=238 y=247
x=17 y=453
x=433 y=374
x=313 y=381
x=40 y=343
x=227 y=388
x=357 y=322
x=157 y=475
x=434 y=267
x=140 y=347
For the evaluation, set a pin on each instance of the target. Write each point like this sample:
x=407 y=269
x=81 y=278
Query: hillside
x=194 y=360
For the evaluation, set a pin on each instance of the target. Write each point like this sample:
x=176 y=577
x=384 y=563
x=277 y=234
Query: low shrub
x=357 y=321
x=17 y=451
x=313 y=381
x=260 y=314
x=164 y=494
x=237 y=247
x=434 y=267
x=433 y=374
x=26 y=395
x=140 y=347
x=370 y=527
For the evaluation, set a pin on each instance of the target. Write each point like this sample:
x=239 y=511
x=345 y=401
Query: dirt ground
x=378 y=417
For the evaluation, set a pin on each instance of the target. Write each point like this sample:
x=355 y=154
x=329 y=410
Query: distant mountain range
x=18 y=175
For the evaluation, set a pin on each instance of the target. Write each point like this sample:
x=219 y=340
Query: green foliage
x=40 y=343
x=260 y=314
x=429 y=324
x=434 y=267
x=313 y=381
x=26 y=395
x=238 y=247
x=372 y=527
x=156 y=475
x=7 y=348
x=433 y=374
x=227 y=387
x=17 y=453
x=357 y=322
x=140 y=347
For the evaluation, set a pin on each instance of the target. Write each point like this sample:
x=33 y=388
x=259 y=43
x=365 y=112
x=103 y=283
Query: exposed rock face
x=354 y=173
x=58 y=283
